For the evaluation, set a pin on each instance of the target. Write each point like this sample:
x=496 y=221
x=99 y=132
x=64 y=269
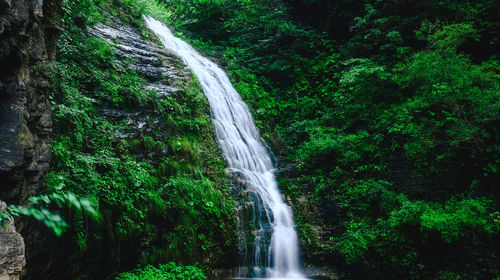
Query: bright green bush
x=169 y=271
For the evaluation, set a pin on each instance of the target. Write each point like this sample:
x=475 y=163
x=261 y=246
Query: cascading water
x=246 y=156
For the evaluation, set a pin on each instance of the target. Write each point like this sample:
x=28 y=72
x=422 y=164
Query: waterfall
x=246 y=156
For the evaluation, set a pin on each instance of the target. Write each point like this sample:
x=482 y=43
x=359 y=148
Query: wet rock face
x=163 y=71
x=253 y=227
x=26 y=39
x=11 y=250
x=157 y=65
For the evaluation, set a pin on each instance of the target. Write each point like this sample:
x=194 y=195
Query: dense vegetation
x=168 y=271
x=160 y=191
x=386 y=117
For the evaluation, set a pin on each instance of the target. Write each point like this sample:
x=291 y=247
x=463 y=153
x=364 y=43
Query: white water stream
x=245 y=154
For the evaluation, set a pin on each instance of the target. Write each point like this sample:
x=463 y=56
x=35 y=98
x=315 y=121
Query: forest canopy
x=386 y=116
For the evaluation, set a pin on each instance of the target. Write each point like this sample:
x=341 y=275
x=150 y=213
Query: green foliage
x=458 y=218
x=447 y=37
x=355 y=241
x=389 y=111
x=51 y=219
x=456 y=104
x=169 y=271
x=198 y=210
x=161 y=193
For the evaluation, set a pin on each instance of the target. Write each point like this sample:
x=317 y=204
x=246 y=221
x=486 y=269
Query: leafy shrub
x=169 y=271
x=52 y=220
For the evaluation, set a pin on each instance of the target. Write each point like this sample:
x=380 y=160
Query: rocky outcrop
x=11 y=250
x=162 y=70
x=154 y=63
x=27 y=39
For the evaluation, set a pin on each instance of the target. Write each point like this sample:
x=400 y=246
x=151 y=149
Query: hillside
x=380 y=125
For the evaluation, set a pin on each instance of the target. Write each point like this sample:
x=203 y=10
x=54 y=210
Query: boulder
x=12 y=258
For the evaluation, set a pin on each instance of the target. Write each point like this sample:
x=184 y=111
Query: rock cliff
x=11 y=250
x=27 y=39
x=163 y=71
